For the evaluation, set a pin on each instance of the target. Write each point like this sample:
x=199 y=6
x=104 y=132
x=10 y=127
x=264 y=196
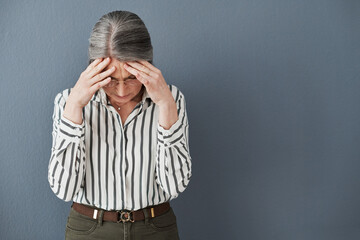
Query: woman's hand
x=90 y=80
x=158 y=90
x=153 y=80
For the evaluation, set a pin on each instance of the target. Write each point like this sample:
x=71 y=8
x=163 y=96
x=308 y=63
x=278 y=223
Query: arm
x=173 y=160
x=67 y=162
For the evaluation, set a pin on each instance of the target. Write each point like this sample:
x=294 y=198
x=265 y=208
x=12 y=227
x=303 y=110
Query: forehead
x=119 y=65
x=114 y=62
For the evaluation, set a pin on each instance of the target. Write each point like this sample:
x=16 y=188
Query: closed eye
x=129 y=77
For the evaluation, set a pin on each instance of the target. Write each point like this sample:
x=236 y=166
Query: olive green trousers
x=162 y=227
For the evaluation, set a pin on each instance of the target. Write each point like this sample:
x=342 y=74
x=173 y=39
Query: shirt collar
x=100 y=96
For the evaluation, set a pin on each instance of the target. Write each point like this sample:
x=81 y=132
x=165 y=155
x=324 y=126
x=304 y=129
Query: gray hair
x=121 y=35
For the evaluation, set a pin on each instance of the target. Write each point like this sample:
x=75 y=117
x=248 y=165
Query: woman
x=120 y=147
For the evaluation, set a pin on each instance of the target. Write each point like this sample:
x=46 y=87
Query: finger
x=140 y=67
x=99 y=85
x=93 y=64
x=102 y=75
x=149 y=65
x=99 y=67
x=142 y=77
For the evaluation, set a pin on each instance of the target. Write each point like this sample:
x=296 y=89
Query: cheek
x=111 y=93
x=135 y=89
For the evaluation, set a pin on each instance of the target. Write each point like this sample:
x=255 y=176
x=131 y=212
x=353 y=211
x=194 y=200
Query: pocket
x=80 y=224
x=164 y=222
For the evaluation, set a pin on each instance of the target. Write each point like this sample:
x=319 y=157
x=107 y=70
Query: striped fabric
x=110 y=166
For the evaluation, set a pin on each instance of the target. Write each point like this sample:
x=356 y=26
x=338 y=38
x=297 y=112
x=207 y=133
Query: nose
x=121 y=89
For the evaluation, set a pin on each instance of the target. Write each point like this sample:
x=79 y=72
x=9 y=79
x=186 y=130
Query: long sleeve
x=173 y=160
x=67 y=162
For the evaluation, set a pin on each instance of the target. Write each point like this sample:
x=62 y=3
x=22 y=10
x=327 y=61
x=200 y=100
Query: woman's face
x=122 y=93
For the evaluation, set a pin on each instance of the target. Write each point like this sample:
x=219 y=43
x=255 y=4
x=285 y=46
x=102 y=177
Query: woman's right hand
x=90 y=80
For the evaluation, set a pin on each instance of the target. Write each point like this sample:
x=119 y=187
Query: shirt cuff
x=169 y=137
x=71 y=131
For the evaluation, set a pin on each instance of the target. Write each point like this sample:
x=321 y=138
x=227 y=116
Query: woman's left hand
x=153 y=80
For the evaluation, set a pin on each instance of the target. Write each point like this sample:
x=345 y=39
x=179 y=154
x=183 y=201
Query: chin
x=124 y=99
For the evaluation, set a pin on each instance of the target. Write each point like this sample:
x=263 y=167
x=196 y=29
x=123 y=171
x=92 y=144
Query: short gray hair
x=121 y=35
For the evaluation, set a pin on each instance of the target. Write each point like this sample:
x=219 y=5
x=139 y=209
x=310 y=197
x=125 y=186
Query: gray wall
x=272 y=90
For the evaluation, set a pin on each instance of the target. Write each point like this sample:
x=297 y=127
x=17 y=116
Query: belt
x=121 y=215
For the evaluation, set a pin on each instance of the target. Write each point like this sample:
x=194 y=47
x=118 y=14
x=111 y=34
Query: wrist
x=167 y=114
x=73 y=104
x=73 y=112
x=167 y=104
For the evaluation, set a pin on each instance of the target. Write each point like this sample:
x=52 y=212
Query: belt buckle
x=125 y=216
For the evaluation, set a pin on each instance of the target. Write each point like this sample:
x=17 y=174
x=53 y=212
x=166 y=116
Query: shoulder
x=176 y=92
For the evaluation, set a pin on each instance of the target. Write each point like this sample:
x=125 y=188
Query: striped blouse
x=110 y=166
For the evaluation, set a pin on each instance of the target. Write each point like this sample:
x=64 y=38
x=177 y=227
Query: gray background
x=272 y=91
